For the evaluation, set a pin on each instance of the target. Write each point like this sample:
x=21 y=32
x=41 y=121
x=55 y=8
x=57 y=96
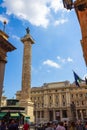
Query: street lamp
x=79 y=4
x=68 y=4
x=35 y=111
x=73 y=111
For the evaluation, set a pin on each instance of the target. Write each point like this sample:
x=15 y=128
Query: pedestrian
x=26 y=126
x=79 y=126
x=12 y=125
x=85 y=127
x=3 y=126
x=72 y=126
x=65 y=125
x=60 y=126
x=48 y=126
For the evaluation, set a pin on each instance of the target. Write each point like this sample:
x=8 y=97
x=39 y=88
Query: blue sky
x=57 y=49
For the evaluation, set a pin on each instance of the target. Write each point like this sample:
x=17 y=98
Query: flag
x=77 y=79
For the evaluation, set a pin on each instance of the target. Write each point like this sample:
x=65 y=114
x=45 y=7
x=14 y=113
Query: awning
x=2 y=114
x=26 y=116
x=14 y=115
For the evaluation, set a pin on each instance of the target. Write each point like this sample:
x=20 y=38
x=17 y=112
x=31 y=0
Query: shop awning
x=26 y=116
x=2 y=114
x=14 y=115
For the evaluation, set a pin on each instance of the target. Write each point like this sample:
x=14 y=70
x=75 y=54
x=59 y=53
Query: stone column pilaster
x=2 y=71
x=5 y=47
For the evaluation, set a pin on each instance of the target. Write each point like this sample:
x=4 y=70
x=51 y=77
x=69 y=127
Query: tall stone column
x=26 y=75
x=26 y=70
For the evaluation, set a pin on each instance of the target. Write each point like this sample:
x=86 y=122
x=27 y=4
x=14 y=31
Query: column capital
x=27 y=37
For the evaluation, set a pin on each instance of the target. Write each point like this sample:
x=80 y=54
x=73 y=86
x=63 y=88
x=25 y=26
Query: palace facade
x=52 y=101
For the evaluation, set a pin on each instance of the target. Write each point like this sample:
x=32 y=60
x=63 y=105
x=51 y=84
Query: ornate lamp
x=68 y=4
x=73 y=111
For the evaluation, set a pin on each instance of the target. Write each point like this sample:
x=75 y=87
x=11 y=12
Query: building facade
x=5 y=47
x=52 y=101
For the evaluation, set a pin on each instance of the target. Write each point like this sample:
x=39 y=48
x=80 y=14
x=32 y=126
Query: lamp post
x=35 y=111
x=73 y=111
x=81 y=5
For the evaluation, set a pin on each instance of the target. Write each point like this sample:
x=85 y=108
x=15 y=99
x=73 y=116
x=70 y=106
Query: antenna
x=4 y=25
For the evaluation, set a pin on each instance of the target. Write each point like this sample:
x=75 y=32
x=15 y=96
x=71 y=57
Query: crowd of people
x=13 y=125
x=64 y=126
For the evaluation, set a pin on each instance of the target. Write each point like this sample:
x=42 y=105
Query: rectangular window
x=64 y=113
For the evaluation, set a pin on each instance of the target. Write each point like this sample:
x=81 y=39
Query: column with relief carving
x=26 y=75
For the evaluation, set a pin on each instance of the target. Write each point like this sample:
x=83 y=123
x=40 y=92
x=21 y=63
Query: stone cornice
x=6 y=45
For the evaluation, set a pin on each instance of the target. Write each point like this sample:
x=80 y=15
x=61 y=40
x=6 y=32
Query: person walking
x=72 y=126
x=60 y=126
x=12 y=125
x=85 y=127
x=3 y=126
x=26 y=126
x=79 y=126
x=48 y=126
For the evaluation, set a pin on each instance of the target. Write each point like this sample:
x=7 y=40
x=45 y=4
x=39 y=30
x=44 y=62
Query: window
x=63 y=103
x=80 y=95
x=72 y=95
x=42 y=114
x=38 y=113
x=56 y=103
x=50 y=97
x=82 y=102
x=64 y=113
x=76 y=95
x=42 y=105
x=56 y=96
x=77 y=103
x=38 y=105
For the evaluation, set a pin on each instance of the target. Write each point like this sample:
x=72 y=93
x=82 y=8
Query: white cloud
x=37 y=12
x=58 y=57
x=63 y=60
x=56 y=5
x=51 y=63
x=60 y=21
x=69 y=59
x=33 y=11
x=2 y=19
x=15 y=37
